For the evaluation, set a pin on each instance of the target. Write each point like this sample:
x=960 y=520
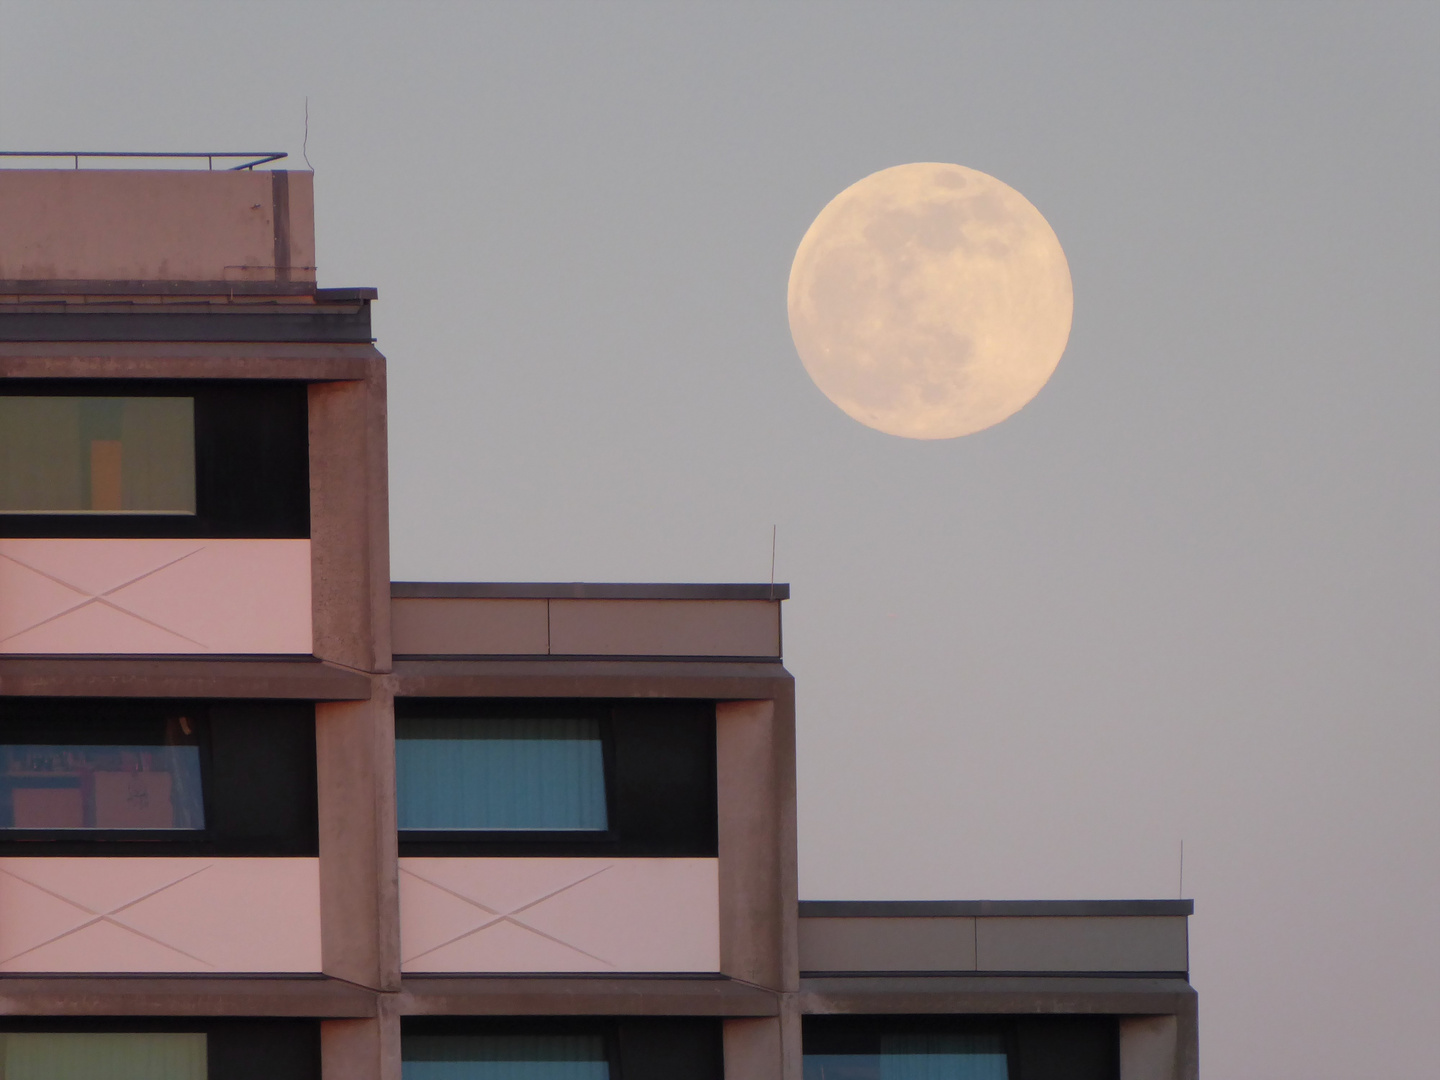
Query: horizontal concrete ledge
x=1008 y=909
x=335 y=296
x=119 y=292
x=931 y=973
x=543 y=658
x=582 y=996
x=581 y=590
x=298 y=361
x=995 y=994
x=227 y=322
x=129 y=995
x=151 y=287
x=704 y=680
x=303 y=679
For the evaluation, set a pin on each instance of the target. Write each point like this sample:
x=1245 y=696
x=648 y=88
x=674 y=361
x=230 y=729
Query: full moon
x=930 y=301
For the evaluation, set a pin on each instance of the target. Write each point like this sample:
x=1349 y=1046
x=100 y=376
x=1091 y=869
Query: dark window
x=136 y=777
x=126 y=458
x=523 y=777
x=650 y=1048
x=961 y=1048
x=133 y=1048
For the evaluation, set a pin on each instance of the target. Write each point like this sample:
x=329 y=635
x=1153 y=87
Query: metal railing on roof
x=259 y=157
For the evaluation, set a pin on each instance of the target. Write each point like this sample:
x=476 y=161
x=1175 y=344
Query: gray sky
x=1190 y=591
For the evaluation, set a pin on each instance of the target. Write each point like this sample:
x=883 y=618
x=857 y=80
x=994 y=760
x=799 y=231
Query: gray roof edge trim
x=355 y=292
x=582 y=590
x=644 y=658
x=913 y=909
x=1058 y=973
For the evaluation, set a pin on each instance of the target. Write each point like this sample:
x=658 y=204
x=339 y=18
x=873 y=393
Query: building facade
x=267 y=813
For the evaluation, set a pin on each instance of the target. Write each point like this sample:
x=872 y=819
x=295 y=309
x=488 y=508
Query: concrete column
x=765 y=1048
x=1147 y=1048
x=361 y=1049
x=349 y=521
x=359 y=887
x=1187 y=1038
x=755 y=765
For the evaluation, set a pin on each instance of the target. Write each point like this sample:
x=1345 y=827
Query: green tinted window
x=103 y=1056
x=97 y=455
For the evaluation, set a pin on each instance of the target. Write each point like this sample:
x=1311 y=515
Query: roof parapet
x=117 y=232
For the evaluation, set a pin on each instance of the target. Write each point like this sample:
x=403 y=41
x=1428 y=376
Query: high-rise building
x=265 y=813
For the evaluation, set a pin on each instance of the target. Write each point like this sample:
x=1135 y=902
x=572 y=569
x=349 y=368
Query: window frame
x=632 y=831
x=89 y=838
x=546 y=838
x=116 y=512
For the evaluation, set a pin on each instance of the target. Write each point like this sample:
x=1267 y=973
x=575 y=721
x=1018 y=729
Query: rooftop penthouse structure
x=265 y=813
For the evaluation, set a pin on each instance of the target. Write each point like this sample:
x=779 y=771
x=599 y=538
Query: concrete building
x=266 y=813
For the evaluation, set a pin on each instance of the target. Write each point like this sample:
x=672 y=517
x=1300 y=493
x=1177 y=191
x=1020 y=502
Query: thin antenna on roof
x=773 y=530
x=1180 y=895
x=305 y=146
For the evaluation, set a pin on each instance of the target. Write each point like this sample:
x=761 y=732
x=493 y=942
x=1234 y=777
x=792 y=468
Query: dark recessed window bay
x=131 y=776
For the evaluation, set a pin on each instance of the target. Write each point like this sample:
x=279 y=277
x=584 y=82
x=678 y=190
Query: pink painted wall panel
x=559 y=915
x=150 y=224
x=155 y=596
x=125 y=915
x=665 y=627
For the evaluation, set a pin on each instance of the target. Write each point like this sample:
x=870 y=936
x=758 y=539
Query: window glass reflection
x=101 y=776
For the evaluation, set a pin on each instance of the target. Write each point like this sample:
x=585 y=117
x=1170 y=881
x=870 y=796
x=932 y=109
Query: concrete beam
x=181 y=995
x=995 y=994
x=696 y=680
x=289 y=361
x=560 y=996
x=239 y=678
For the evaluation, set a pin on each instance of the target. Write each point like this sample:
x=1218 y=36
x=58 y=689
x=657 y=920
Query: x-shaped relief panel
x=155 y=596
x=114 y=915
x=559 y=915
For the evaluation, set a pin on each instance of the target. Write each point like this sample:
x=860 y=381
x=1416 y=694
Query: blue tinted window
x=523 y=774
x=920 y=1056
x=504 y=1057
x=117 y=787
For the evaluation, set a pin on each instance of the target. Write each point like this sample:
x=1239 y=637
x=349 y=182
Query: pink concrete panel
x=559 y=915
x=155 y=596
x=449 y=626
x=122 y=915
x=665 y=627
x=149 y=225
